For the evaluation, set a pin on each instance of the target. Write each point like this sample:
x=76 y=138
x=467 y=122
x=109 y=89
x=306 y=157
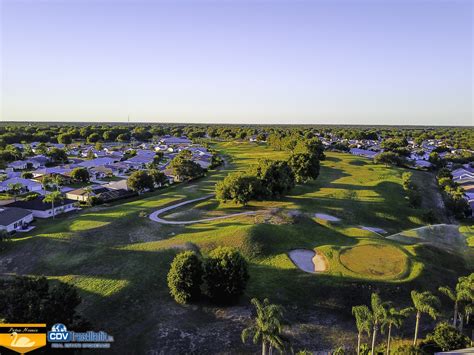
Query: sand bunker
x=327 y=217
x=308 y=260
x=374 y=229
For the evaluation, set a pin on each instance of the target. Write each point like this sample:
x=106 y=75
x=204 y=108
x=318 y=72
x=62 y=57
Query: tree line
x=273 y=178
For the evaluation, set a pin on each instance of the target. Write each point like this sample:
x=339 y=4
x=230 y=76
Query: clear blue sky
x=356 y=62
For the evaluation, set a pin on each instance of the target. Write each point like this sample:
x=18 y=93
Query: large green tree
x=140 y=181
x=238 y=187
x=225 y=275
x=33 y=300
x=185 y=169
x=80 y=174
x=276 y=177
x=305 y=166
x=185 y=277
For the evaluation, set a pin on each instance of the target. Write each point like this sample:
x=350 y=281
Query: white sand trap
x=374 y=229
x=327 y=217
x=308 y=260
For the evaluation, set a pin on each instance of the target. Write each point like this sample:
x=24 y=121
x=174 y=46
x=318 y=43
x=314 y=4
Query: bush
x=446 y=337
x=185 y=277
x=407 y=349
x=94 y=201
x=225 y=275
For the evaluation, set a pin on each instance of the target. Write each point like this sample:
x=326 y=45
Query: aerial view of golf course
x=319 y=250
x=226 y=177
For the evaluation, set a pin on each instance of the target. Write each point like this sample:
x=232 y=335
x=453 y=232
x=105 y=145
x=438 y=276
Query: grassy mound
x=445 y=236
x=374 y=260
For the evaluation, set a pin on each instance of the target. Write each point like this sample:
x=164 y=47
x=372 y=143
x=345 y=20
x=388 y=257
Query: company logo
x=59 y=333
x=60 y=337
x=22 y=338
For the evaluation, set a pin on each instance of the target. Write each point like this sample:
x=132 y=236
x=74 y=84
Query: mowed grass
x=119 y=259
x=385 y=261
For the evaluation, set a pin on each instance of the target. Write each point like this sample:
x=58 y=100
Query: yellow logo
x=23 y=338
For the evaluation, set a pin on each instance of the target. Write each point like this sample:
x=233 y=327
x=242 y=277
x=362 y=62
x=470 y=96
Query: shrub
x=407 y=349
x=446 y=337
x=225 y=275
x=185 y=277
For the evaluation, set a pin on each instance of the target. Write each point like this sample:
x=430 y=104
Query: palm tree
x=394 y=318
x=53 y=197
x=363 y=318
x=15 y=189
x=459 y=294
x=45 y=181
x=424 y=302
x=267 y=327
x=88 y=190
x=58 y=181
x=378 y=316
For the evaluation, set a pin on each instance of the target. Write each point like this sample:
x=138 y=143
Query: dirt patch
x=277 y=216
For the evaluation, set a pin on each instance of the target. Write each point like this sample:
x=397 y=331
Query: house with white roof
x=175 y=140
x=97 y=162
x=363 y=153
x=18 y=165
x=27 y=184
x=462 y=174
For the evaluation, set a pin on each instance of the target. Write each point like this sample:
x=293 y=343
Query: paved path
x=155 y=216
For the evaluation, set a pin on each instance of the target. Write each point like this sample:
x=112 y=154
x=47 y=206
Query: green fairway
x=119 y=258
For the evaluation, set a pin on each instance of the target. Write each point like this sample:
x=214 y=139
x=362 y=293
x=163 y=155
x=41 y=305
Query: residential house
x=422 y=164
x=97 y=162
x=462 y=174
x=174 y=140
x=100 y=172
x=83 y=194
x=18 y=165
x=204 y=163
x=38 y=161
x=364 y=153
x=27 y=184
x=42 y=209
x=139 y=161
x=13 y=219
x=119 y=168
